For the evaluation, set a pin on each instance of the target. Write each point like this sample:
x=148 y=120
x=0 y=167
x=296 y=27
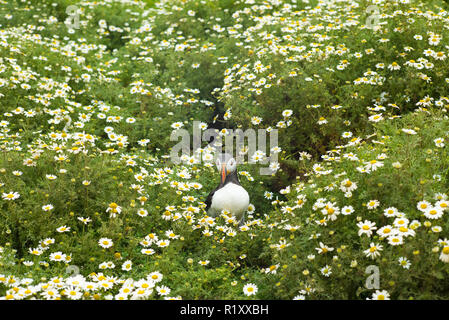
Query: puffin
x=229 y=195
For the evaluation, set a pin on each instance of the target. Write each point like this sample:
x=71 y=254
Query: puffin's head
x=226 y=164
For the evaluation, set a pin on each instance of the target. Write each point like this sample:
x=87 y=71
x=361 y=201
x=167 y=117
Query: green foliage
x=399 y=187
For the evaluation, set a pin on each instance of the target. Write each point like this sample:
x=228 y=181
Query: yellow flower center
x=113 y=205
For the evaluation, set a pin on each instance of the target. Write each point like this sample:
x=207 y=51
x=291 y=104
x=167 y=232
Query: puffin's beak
x=223 y=173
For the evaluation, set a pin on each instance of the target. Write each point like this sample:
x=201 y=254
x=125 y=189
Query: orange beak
x=223 y=173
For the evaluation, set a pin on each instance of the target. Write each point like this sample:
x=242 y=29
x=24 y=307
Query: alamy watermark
x=73 y=20
x=254 y=149
x=373 y=281
x=72 y=270
x=373 y=20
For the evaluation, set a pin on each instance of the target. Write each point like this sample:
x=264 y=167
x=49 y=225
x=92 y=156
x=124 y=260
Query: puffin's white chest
x=231 y=197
